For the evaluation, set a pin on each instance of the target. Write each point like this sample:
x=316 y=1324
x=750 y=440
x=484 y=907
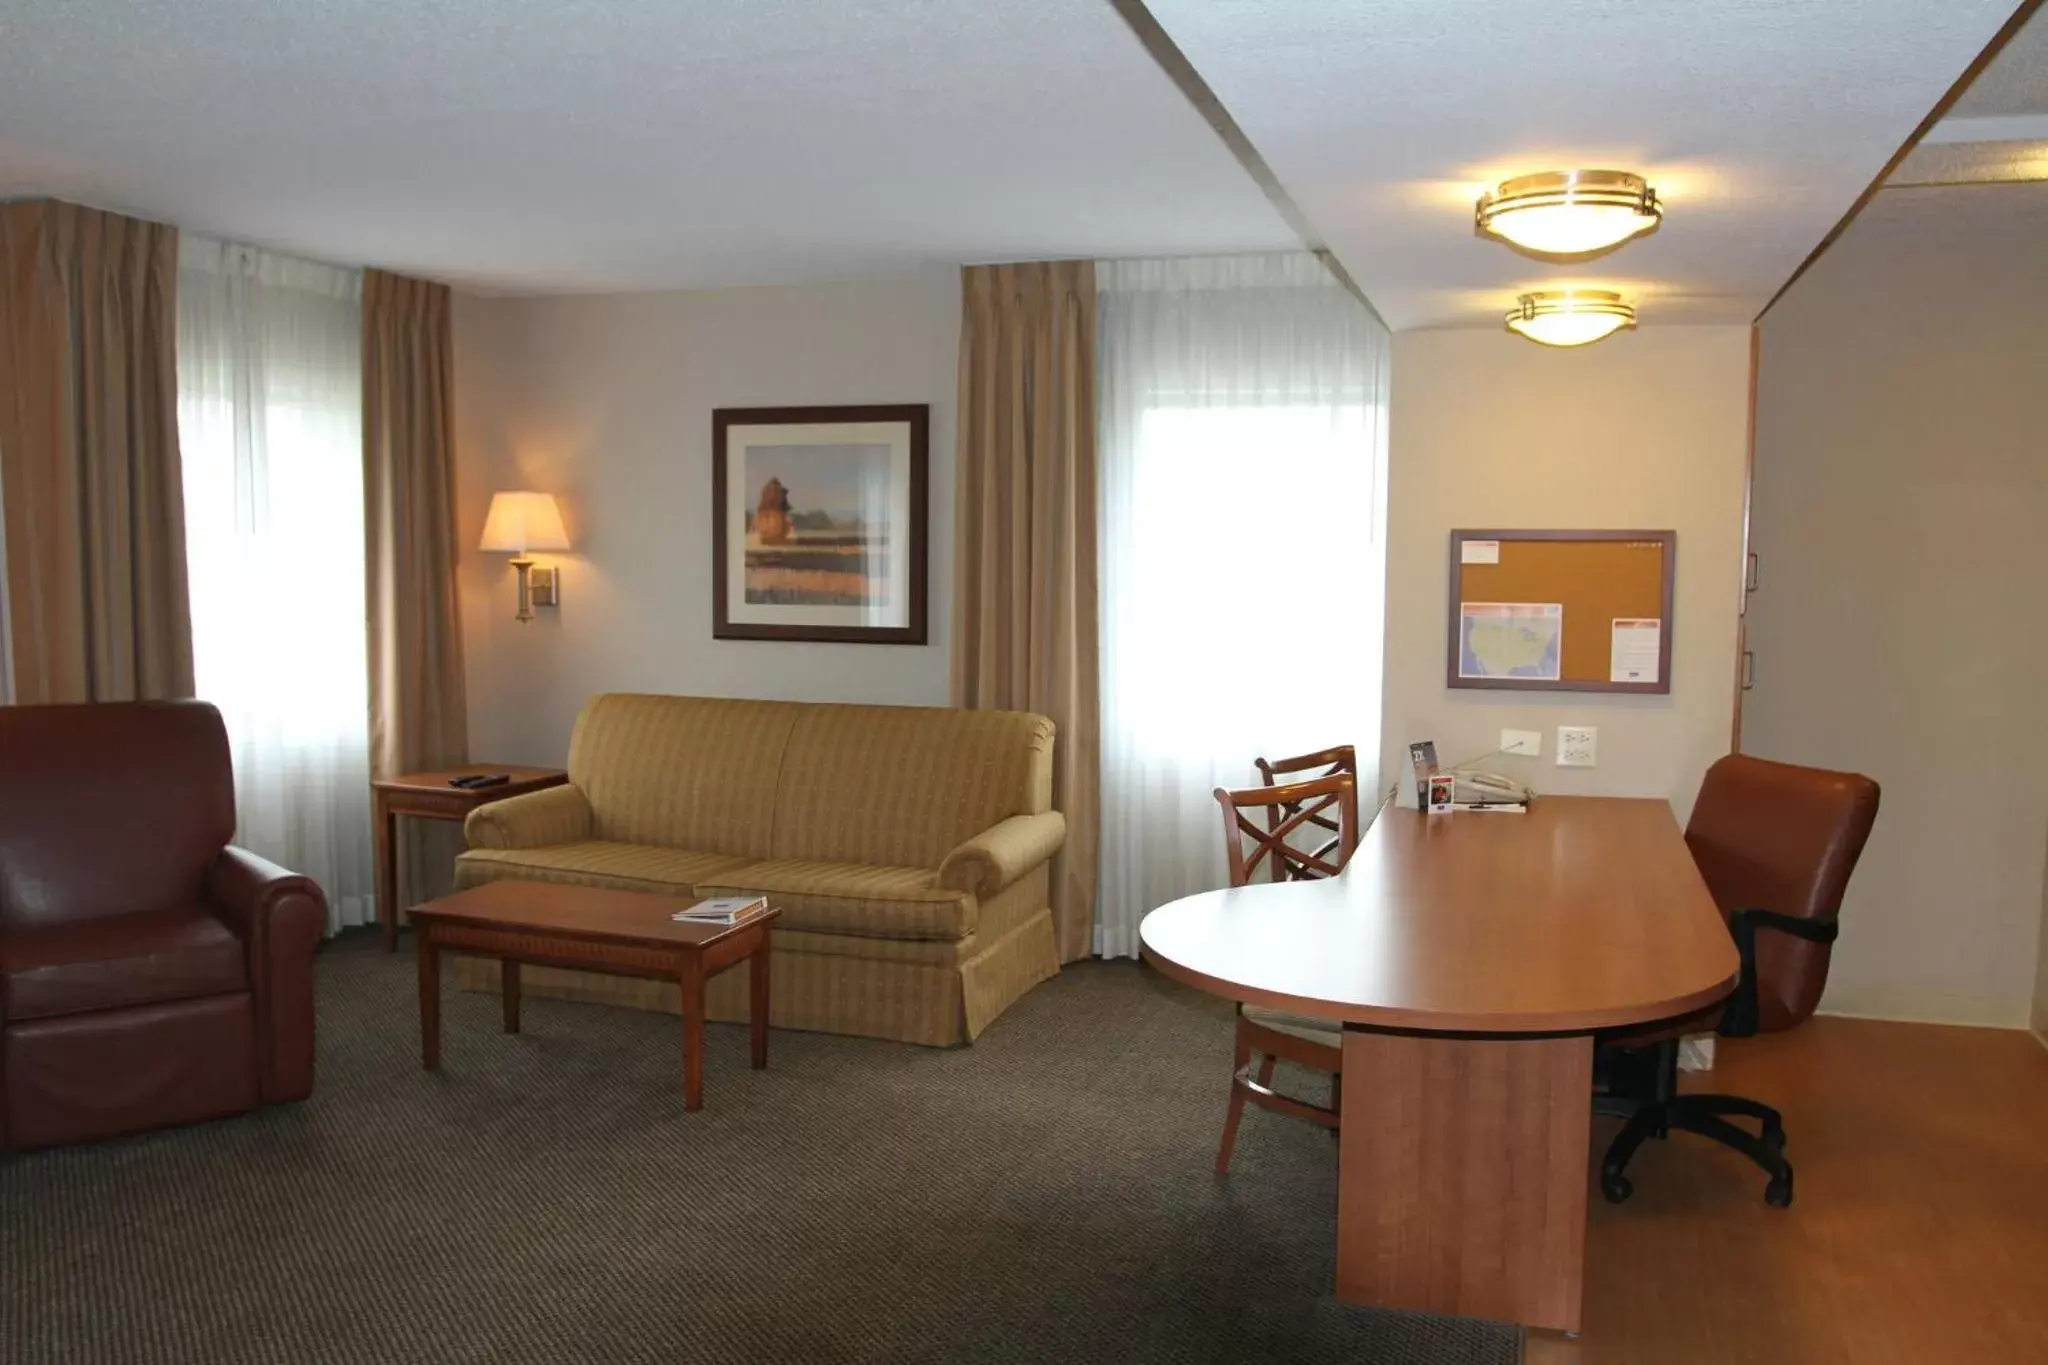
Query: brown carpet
x=1043 y=1196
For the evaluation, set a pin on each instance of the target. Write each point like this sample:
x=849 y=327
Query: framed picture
x=818 y=523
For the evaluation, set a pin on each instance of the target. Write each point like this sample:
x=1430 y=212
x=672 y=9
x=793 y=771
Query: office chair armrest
x=1740 y=1017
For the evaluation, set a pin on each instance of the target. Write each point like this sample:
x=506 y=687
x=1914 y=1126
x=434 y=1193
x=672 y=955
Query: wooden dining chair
x=1343 y=758
x=1268 y=1034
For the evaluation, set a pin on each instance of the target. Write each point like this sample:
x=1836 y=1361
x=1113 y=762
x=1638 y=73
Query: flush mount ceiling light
x=1575 y=317
x=1569 y=213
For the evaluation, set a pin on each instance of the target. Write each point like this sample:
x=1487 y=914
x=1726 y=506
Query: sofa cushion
x=600 y=863
x=685 y=772
x=902 y=786
x=850 y=898
x=118 y=961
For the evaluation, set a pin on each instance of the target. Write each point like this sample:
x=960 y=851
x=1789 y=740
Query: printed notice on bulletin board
x=1637 y=646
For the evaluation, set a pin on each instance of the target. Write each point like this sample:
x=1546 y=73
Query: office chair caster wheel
x=1778 y=1194
x=1616 y=1186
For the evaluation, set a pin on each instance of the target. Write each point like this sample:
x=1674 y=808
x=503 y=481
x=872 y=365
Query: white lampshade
x=520 y=522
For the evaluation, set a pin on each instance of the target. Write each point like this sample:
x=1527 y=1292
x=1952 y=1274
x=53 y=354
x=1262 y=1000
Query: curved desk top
x=1583 y=914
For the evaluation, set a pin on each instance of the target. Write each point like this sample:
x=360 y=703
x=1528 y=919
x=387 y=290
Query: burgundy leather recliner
x=150 y=973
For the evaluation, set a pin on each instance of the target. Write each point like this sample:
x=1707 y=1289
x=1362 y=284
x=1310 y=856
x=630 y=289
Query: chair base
x=1708 y=1116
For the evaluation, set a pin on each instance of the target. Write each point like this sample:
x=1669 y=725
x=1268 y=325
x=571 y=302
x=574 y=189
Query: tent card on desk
x=1422 y=757
x=721 y=910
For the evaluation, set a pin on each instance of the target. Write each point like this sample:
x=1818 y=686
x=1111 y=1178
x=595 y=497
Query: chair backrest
x=1288 y=808
x=1329 y=762
x=110 y=809
x=1772 y=836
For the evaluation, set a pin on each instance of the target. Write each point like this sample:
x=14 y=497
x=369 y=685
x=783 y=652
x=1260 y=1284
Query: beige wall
x=1647 y=431
x=1901 y=509
x=606 y=401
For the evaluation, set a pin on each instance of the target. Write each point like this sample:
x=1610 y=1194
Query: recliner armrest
x=1003 y=852
x=279 y=917
x=252 y=893
x=552 y=815
x=1742 y=1014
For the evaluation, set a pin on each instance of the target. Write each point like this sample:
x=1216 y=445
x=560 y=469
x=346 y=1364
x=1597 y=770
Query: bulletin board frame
x=1667 y=541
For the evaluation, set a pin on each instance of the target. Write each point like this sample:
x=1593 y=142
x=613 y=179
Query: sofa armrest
x=552 y=815
x=280 y=917
x=1003 y=852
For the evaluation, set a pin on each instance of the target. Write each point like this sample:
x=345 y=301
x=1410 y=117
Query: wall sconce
x=518 y=523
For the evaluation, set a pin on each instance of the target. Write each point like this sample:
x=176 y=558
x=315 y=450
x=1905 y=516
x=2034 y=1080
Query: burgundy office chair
x=1776 y=844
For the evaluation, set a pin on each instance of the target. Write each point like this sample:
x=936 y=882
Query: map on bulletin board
x=1510 y=640
x=1561 y=610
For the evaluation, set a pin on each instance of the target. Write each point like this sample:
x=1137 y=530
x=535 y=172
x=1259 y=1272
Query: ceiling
x=1997 y=131
x=1758 y=121
x=623 y=144
x=556 y=145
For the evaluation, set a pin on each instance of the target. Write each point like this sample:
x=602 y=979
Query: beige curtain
x=1024 y=601
x=89 y=455
x=417 y=709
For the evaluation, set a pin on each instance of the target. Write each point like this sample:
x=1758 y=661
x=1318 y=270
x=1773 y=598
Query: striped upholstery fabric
x=842 y=816
x=902 y=786
x=688 y=772
x=597 y=862
x=848 y=898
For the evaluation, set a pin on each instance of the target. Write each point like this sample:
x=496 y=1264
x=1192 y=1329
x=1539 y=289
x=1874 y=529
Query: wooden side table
x=427 y=796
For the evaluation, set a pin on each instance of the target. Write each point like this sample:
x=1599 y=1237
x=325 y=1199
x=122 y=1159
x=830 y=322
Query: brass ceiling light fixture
x=1570 y=317
x=1569 y=213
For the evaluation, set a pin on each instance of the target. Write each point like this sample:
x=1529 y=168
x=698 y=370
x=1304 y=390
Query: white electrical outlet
x=1578 y=746
x=1527 y=742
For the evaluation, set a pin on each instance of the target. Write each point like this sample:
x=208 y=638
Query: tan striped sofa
x=906 y=846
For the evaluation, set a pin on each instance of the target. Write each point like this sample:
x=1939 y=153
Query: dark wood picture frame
x=1662 y=687
x=917 y=416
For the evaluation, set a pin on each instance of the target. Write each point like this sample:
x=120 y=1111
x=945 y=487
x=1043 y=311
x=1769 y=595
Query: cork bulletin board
x=1561 y=611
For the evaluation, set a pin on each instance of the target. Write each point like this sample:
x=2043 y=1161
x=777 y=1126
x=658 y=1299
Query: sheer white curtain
x=270 y=404
x=1243 y=411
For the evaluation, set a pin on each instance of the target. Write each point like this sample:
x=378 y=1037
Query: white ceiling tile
x=623 y=144
x=1759 y=121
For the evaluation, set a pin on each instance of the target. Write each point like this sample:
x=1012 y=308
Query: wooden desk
x=427 y=796
x=1470 y=957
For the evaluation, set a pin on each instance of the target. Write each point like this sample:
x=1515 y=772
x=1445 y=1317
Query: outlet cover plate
x=1526 y=742
x=1578 y=746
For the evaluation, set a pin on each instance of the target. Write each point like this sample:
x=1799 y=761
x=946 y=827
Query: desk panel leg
x=1462 y=1176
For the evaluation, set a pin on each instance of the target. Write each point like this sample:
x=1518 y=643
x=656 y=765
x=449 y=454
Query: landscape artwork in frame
x=818 y=523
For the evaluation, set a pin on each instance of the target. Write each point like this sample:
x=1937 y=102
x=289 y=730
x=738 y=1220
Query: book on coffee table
x=722 y=910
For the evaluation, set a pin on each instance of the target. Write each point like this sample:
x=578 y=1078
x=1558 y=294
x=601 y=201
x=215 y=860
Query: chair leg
x=1647 y=1122
x=1240 y=1059
x=1266 y=1065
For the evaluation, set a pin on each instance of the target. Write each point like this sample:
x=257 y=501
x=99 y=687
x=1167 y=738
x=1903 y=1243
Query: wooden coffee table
x=625 y=932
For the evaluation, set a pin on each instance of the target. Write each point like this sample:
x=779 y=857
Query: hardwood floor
x=1919 y=1235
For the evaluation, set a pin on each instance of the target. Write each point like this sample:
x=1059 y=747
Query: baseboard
x=1909 y=1006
